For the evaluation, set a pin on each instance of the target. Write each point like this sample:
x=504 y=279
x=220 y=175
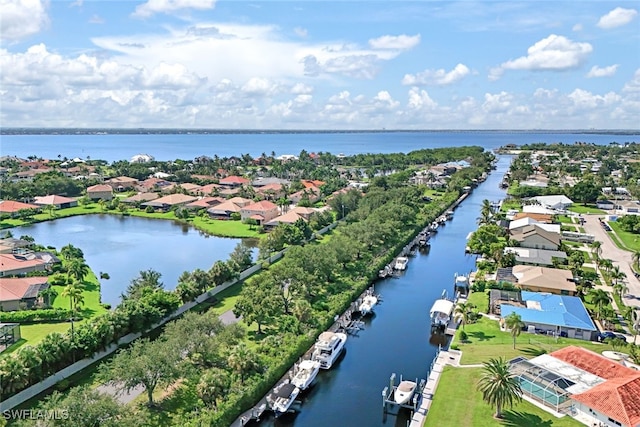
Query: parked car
x=609 y=334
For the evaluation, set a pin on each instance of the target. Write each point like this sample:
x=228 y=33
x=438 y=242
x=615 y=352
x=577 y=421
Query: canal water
x=397 y=340
x=123 y=246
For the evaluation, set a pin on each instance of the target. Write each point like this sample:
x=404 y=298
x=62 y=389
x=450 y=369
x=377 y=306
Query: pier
x=388 y=393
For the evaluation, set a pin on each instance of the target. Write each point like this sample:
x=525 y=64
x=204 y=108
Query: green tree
x=258 y=301
x=73 y=291
x=77 y=269
x=243 y=361
x=69 y=252
x=514 y=323
x=213 y=384
x=463 y=313
x=146 y=363
x=585 y=191
x=499 y=387
x=600 y=299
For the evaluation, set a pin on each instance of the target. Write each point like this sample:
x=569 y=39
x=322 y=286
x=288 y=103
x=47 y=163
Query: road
x=620 y=257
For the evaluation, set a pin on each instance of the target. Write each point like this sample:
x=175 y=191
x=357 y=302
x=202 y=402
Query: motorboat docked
x=449 y=214
x=404 y=392
x=386 y=271
x=307 y=372
x=282 y=398
x=401 y=263
x=367 y=304
x=328 y=347
x=423 y=239
x=440 y=312
x=442 y=220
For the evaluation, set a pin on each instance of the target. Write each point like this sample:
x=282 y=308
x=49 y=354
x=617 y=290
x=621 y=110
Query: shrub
x=27 y=316
x=463 y=336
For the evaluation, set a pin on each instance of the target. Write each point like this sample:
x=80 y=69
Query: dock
x=438 y=363
x=388 y=392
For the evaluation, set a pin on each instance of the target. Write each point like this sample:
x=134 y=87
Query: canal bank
x=397 y=338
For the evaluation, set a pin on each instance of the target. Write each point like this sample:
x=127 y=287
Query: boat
x=404 y=392
x=368 y=302
x=440 y=312
x=442 y=220
x=401 y=263
x=386 y=271
x=282 y=398
x=449 y=214
x=423 y=239
x=328 y=347
x=307 y=372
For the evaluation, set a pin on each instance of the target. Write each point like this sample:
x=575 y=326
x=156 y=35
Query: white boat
x=328 y=347
x=367 y=304
x=282 y=398
x=307 y=372
x=441 y=313
x=404 y=392
x=401 y=263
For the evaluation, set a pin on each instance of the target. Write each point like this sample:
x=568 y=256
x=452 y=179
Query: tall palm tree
x=73 y=291
x=463 y=312
x=620 y=288
x=242 y=360
x=213 y=384
x=13 y=375
x=600 y=299
x=31 y=362
x=498 y=385
x=515 y=324
x=596 y=251
x=77 y=269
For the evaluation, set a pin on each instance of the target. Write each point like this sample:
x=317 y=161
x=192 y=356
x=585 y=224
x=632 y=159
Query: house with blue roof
x=562 y=315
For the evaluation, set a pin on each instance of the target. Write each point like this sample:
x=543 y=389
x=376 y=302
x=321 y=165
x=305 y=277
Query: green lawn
x=91 y=306
x=486 y=340
x=480 y=300
x=588 y=209
x=34 y=333
x=457 y=402
x=511 y=204
x=564 y=219
x=624 y=239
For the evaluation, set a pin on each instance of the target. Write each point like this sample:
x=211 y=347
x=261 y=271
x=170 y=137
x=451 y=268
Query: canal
x=397 y=338
x=123 y=246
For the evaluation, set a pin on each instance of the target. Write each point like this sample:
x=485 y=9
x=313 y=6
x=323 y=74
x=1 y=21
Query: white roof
x=442 y=306
x=522 y=222
x=583 y=380
x=553 y=200
x=537 y=209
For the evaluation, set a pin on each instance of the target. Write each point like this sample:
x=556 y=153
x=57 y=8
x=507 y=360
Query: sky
x=326 y=65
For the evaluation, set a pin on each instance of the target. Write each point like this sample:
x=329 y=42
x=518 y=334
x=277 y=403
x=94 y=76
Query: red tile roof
x=262 y=206
x=99 y=188
x=10 y=263
x=308 y=183
x=12 y=289
x=234 y=180
x=592 y=362
x=53 y=199
x=11 y=206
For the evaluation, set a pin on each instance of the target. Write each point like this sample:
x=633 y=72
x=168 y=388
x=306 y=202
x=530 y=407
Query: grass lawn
x=588 y=209
x=457 y=402
x=512 y=204
x=34 y=333
x=624 y=239
x=91 y=293
x=564 y=219
x=480 y=300
x=486 y=340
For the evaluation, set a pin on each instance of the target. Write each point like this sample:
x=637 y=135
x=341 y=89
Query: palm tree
x=636 y=259
x=617 y=275
x=242 y=360
x=514 y=322
x=600 y=299
x=606 y=264
x=596 y=251
x=73 y=291
x=498 y=385
x=13 y=375
x=213 y=384
x=463 y=313
x=31 y=362
x=77 y=269
x=620 y=288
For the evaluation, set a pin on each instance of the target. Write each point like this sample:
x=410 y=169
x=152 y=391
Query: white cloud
x=22 y=18
x=401 y=42
x=436 y=77
x=259 y=87
x=420 y=99
x=617 y=18
x=301 y=32
x=577 y=27
x=168 y=6
x=556 y=53
x=301 y=88
x=602 y=71
x=633 y=86
x=497 y=103
x=583 y=99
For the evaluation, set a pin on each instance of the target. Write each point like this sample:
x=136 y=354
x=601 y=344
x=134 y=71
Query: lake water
x=188 y=146
x=398 y=338
x=123 y=246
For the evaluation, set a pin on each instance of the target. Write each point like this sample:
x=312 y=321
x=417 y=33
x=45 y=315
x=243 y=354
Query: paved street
x=621 y=258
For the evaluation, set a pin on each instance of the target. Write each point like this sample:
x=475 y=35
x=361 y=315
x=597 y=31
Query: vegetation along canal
x=397 y=338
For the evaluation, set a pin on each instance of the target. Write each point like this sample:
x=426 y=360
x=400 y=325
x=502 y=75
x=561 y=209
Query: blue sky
x=320 y=65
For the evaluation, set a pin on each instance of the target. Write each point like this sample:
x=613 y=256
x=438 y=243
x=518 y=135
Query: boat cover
x=285 y=390
x=442 y=306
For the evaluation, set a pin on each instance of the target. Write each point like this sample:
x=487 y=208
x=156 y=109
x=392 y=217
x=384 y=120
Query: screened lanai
x=551 y=381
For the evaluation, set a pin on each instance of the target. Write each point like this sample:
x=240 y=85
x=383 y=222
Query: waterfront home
x=205 y=202
x=627 y=207
x=12 y=207
x=533 y=236
x=172 y=200
x=141 y=197
x=594 y=389
x=223 y=210
x=100 y=192
x=19 y=264
x=59 y=202
x=516 y=226
x=122 y=183
x=11 y=245
x=538 y=279
x=546 y=313
x=557 y=202
x=263 y=211
x=288 y=218
x=234 y=181
x=535 y=256
x=19 y=293
x=540 y=218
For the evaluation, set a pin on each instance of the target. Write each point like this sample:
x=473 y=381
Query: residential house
x=20 y=264
x=532 y=236
x=142 y=158
x=605 y=205
x=19 y=293
x=557 y=202
x=312 y=193
x=205 y=203
x=229 y=191
x=535 y=256
x=59 y=202
x=288 y=218
x=538 y=209
x=627 y=207
x=100 y=192
x=122 y=183
x=262 y=181
x=271 y=191
x=208 y=190
x=234 y=181
x=190 y=188
x=517 y=225
x=224 y=210
x=310 y=183
x=304 y=212
x=28 y=175
x=561 y=315
x=11 y=207
x=172 y=200
x=153 y=184
x=140 y=198
x=10 y=245
x=263 y=211
x=538 y=279
x=240 y=201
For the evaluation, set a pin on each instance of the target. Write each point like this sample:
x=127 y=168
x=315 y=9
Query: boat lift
x=388 y=401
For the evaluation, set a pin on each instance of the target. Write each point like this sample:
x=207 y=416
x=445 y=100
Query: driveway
x=619 y=257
